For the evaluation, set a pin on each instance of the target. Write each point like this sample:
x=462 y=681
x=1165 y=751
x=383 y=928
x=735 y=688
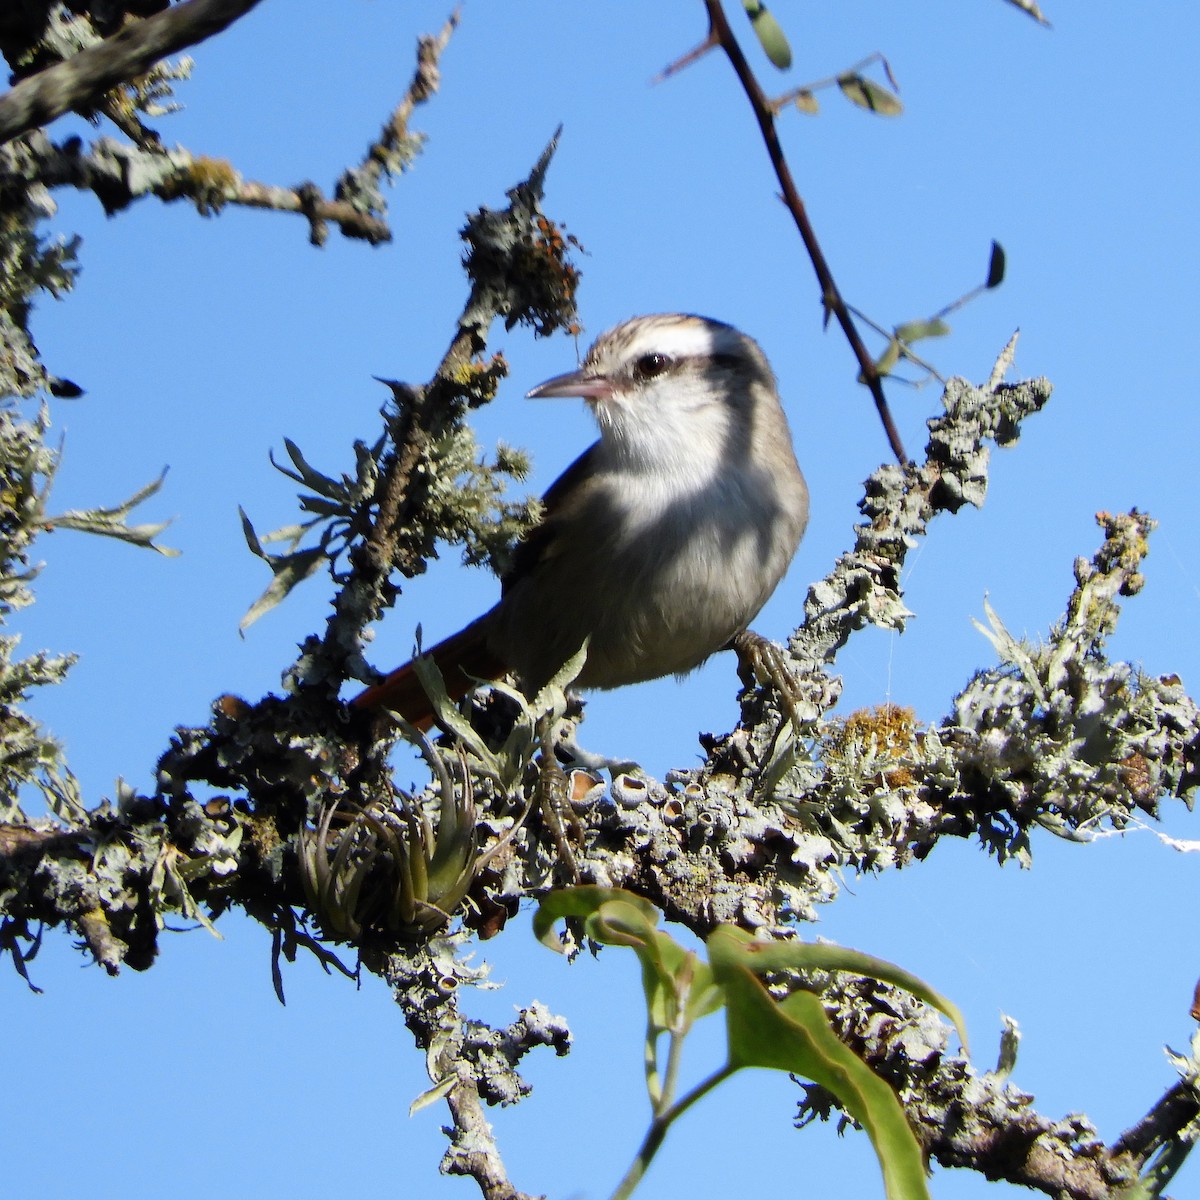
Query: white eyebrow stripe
x=680 y=338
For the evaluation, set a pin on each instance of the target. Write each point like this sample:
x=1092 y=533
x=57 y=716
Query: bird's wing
x=543 y=540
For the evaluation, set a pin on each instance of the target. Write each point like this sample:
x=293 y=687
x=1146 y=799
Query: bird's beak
x=573 y=383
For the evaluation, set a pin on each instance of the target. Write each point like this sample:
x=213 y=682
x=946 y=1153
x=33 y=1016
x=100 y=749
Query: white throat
x=681 y=425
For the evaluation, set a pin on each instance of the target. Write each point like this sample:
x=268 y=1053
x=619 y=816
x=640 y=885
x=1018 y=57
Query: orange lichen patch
x=867 y=735
x=1134 y=772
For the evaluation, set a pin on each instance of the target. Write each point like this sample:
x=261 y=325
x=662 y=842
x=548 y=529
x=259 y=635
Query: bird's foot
x=769 y=663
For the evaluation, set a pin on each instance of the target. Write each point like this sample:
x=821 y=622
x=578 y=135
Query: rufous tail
x=462 y=659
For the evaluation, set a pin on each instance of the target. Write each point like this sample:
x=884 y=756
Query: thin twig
x=658 y=1131
x=831 y=298
x=394 y=137
x=906 y=351
x=86 y=76
x=782 y=101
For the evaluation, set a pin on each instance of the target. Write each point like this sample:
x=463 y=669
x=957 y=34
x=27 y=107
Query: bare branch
x=395 y=146
x=831 y=298
x=519 y=271
x=469 y=1062
x=118 y=174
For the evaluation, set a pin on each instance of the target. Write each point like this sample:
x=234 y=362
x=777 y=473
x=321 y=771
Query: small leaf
x=678 y=987
x=582 y=901
x=887 y=70
x=110 y=522
x=251 y=537
x=995 y=275
x=806 y=102
x=63 y=389
x=914 y=331
x=323 y=508
x=307 y=474
x=769 y=33
x=291 y=534
x=1003 y=362
x=1011 y=651
x=1010 y=1040
x=887 y=360
x=446 y=711
x=433 y=1094
x=553 y=694
x=135 y=535
x=1030 y=7
x=868 y=94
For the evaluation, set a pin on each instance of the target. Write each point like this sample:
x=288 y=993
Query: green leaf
x=252 y=539
x=914 y=331
x=887 y=70
x=305 y=473
x=433 y=1094
x=806 y=102
x=868 y=94
x=995 y=275
x=293 y=535
x=769 y=33
x=554 y=694
x=886 y=361
x=583 y=902
x=1010 y=1040
x=821 y=956
x=679 y=988
x=430 y=677
x=289 y=570
x=1011 y=650
x=796 y=1036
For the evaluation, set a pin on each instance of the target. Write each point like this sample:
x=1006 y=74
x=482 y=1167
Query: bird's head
x=657 y=383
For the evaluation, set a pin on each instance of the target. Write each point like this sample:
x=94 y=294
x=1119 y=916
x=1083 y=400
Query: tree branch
x=720 y=34
x=519 y=271
x=469 y=1061
x=980 y=1121
x=396 y=146
x=79 y=81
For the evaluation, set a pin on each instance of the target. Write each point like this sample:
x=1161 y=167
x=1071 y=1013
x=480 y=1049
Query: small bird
x=661 y=542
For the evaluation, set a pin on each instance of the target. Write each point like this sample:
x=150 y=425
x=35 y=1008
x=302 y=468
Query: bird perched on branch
x=662 y=541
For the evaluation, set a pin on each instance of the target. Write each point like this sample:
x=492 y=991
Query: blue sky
x=202 y=343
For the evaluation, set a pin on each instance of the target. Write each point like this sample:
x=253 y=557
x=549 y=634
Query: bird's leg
x=761 y=659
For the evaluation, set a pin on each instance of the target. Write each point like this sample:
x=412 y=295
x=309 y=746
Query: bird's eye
x=650 y=365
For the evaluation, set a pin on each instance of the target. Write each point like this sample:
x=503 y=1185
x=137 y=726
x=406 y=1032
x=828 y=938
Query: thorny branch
x=80 y=80
x=721 y=35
